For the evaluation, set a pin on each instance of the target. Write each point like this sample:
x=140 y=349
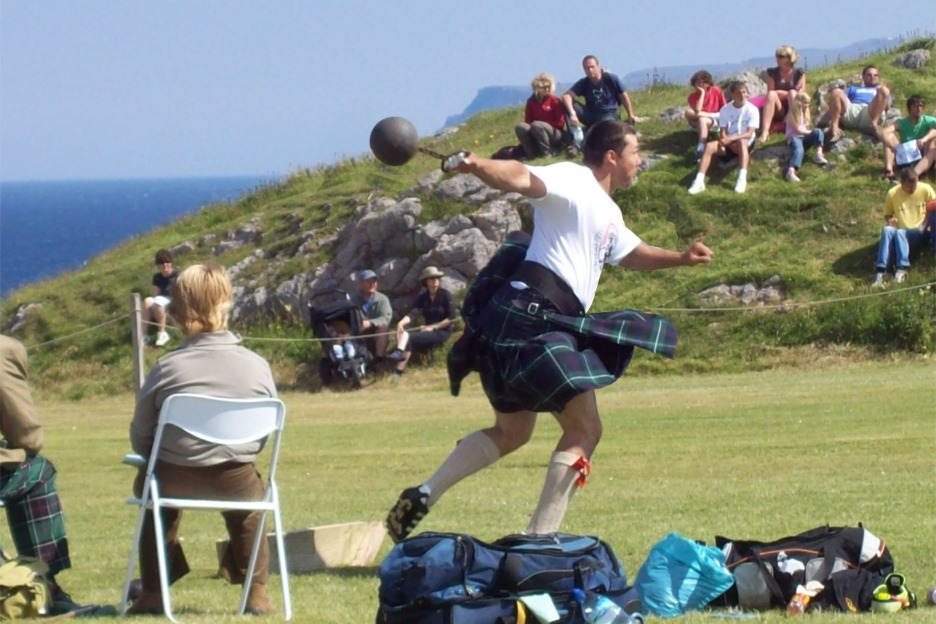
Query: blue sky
x=129 y=89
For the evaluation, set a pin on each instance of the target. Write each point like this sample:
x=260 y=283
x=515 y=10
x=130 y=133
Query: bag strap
x=772 y=585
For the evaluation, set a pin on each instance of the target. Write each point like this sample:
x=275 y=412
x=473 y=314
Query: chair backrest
x=222 y=421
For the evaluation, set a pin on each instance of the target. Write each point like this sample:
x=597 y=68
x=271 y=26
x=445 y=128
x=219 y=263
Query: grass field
x=753 y=455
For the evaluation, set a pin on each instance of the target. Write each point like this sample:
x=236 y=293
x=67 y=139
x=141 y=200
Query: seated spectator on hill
x=783 y=83
x=155 y=306
x=544 y=119
x=800 y=137
x=377 y=312
x=738 y=120
x=437 y=308
x=904 y=225
x=603 y=92
x=210 y=361
x=705 y=101
x=911 y=141
x=27 y=479
x=860 y=107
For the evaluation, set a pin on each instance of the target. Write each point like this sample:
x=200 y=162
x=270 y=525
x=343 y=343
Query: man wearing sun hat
x=377 y=312
x=437 y=308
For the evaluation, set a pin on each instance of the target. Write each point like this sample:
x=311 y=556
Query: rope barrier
x=804 y=304
x=779 y=306
x=79 y=332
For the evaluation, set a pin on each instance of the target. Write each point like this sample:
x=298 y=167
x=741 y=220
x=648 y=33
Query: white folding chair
x=223 y=422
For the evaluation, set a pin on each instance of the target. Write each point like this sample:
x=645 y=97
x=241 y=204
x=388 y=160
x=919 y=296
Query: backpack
x=768 y=573
x=24 y=588
x=451 y=578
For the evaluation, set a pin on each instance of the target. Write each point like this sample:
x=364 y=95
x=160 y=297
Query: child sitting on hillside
x=705 y=101
x=800 y=137
x=738 y=120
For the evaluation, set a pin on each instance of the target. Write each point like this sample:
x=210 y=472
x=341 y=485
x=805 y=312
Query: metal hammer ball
x=394 y=141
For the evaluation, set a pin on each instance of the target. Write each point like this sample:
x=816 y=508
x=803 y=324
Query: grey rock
x=673 y=114
x=915 y=59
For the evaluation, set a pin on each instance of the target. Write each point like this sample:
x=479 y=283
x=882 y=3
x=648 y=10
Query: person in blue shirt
x=603 y=93
x=858 y=107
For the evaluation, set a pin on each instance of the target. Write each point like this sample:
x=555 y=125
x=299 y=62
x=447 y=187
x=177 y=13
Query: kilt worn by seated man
x=27 y=479
x=528 y=332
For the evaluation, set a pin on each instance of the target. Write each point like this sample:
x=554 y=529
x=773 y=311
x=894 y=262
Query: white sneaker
x=697 y=187
x=878 y=280
x=741 y=185
x=819 y=159
x=900 y=276
x=162 y=339
x=791 y=175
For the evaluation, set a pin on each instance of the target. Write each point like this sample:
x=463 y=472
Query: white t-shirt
x=736 y=120
x=577 y=228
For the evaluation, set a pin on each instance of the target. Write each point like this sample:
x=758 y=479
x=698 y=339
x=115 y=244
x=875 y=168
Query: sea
x=51 y=227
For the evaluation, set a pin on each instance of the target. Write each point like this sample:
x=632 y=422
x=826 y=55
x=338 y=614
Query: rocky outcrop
x=388 y=235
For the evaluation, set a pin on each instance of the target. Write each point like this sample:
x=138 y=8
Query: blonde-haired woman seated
x=783 y=83
x=210 y=361
x=544 y=119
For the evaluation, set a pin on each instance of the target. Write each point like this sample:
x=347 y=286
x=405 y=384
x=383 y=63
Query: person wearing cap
x=376 y=310
x=437 y=307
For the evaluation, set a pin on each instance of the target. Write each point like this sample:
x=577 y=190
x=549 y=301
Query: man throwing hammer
x=528 y=333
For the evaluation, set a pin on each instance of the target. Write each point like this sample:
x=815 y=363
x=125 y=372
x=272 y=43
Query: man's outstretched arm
x=509 y=176
x=648 y=258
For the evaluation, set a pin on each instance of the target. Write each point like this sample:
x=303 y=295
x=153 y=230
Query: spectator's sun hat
x=430 y=272
x=367 y=274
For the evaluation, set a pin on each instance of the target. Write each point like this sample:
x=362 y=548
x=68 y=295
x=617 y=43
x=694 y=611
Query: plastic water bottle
x=797 y=604
x=598 y=609
x=578 y=136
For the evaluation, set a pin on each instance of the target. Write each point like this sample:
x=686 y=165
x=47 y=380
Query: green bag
x=24 y=588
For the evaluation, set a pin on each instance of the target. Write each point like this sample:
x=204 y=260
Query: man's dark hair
x=913 y=100
x=163 y=255
x=866 y=68
x=590 y=56
x=609 y=134
x=908 y=174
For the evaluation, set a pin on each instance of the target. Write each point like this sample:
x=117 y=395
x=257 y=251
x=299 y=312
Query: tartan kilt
x=532 y=357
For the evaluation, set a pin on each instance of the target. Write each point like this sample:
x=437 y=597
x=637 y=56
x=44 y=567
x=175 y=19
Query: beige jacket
x=21 y=430
x=210 y=363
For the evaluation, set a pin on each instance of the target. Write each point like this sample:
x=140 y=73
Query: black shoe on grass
x=410 y=508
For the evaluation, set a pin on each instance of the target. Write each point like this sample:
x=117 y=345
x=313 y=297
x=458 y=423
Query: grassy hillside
x=819 y=237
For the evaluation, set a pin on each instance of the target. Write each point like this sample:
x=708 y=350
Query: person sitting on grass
x=705 y=101
x=858 y=107
x=738 y=121
x=904 y=225
x=783 y=83
x=542 y=129
x=911 y=141
x=437 y=307
x=800 y=137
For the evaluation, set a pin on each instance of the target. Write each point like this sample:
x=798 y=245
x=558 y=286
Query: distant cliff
x=492 y=98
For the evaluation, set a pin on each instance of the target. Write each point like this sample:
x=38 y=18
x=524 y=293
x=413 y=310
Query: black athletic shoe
x=410 y=508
